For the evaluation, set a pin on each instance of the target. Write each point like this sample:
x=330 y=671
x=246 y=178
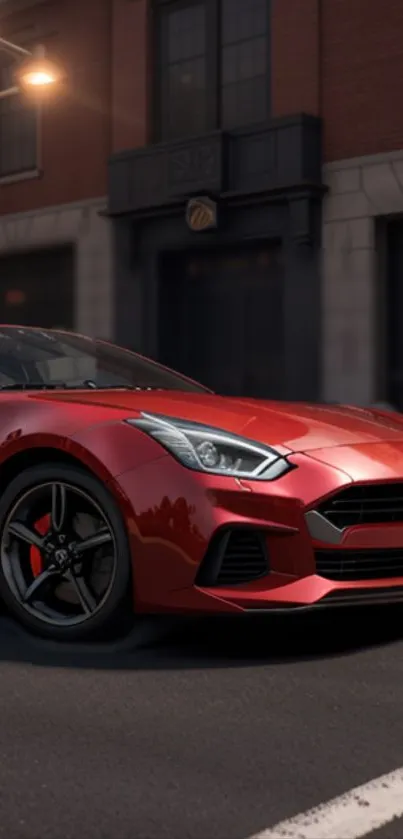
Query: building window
x=18 y=130
x=213 y=65
x=244 y=60
x=183 y=66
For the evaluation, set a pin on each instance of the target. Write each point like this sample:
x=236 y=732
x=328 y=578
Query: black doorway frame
x=139 y=245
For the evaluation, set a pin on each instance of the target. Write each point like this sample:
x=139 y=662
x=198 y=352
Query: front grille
x=360 y=564
x=235 y=556
x=369 y=504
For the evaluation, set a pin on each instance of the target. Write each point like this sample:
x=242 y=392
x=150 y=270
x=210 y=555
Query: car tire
x=114 y=614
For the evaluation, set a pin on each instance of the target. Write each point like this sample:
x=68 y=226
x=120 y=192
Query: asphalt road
x=218 y=732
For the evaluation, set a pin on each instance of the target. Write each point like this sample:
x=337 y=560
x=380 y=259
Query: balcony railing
x=283 y=154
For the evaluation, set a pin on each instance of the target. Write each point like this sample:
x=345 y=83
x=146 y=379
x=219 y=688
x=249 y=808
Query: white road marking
x=350 y=816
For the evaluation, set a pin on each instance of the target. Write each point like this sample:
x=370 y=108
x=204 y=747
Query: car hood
x=290 y=427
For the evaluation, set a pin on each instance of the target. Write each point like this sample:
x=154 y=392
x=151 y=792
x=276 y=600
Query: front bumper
x=174 y=516
x=313 y=594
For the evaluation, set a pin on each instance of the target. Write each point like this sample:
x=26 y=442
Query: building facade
x=362 y=64
x=55 y=246
x=282 y=119
x=236 y=305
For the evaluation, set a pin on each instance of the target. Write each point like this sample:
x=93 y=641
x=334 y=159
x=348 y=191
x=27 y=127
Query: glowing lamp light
x=38 y=75
x=38 y=78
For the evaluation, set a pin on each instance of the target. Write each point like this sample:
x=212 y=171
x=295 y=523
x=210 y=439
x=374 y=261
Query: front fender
x=117 y=447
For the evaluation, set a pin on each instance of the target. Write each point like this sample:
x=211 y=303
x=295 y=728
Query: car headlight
x=207 y=449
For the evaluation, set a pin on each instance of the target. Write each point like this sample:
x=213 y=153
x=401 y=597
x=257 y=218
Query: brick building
x=55 y=248
x=286 y=114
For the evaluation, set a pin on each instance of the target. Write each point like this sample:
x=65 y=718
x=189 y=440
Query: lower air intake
x=352 y=564
x=234 y=556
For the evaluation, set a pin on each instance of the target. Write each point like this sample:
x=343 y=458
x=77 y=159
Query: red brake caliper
x=42 y=526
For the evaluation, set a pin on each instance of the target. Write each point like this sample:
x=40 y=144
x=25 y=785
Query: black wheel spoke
x=40 y=582
x=26 y=534
x=58 y=514
x=103 y=537
x=87 y=600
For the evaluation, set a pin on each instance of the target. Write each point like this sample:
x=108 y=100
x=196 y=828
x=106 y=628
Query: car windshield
x=34 y=358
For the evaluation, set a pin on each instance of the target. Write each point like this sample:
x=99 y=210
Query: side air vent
x=366 y=504
x=234 y=556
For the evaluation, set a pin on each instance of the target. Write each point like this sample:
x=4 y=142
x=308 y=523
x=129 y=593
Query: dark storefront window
x=390 y=305
x=37 y=288
x=18 y=129
x=213 y=68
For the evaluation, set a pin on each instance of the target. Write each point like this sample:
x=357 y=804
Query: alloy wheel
x=58 y=554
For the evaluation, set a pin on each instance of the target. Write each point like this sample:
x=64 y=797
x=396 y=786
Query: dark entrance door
x=37 y=288
x=221 y=318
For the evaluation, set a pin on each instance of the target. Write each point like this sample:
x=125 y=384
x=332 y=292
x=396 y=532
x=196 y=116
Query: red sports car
x=129 y=489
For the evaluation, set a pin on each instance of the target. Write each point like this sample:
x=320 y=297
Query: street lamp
x=34 y=74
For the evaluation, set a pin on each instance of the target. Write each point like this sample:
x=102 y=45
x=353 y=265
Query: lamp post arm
x=9 y=91
x=8 y=46
x=14 y=49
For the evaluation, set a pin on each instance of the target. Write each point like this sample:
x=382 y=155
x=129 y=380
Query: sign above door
x=201 y=214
